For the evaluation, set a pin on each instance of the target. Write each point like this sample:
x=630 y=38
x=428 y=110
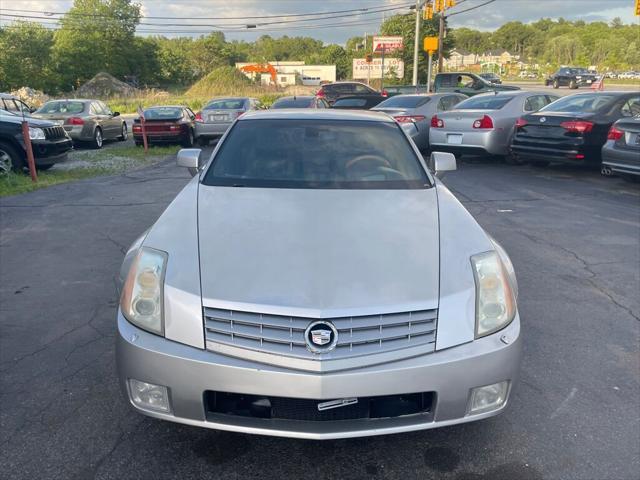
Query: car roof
x=7 y=95
x=165 y=106
x=346 y=82
x=83 y=100
x=296 y=97
x=229 y=98
x=321 y=114
x=511 y=93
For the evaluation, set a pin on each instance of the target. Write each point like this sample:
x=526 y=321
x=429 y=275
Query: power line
x=248 y=17
x=471 y=8
x=278 y=22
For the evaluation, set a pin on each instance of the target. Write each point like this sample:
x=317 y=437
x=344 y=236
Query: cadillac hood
x=318 y=253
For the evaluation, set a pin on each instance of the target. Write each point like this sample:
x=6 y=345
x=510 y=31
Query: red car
x=167 y=124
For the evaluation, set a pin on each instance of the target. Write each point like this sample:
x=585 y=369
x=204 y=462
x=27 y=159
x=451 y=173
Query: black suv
x=571 y=77
x=49 y=142
x=333 y=91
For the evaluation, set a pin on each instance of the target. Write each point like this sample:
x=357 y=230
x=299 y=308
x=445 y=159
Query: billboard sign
x=389 y=44
x=363 y=70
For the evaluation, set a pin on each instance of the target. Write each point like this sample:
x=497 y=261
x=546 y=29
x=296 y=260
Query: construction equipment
x=262 y=68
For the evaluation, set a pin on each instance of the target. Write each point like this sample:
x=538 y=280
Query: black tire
x=573 y=85
x=44 y=168
x=188 y=142
x=98 y=140
x=203 y=141
x=556 y=84
x=139 y=144
x=10 y=159
x=125 y=133
x=540 y=163
x=511 y=159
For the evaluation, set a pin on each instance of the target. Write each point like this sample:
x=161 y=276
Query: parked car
x=621 y=152
x=13 y=104
x=49 y=142
x=218 y=115
x=317 y=281
x=572 y=129
x=571 y=77
x=414 y=112
x=358 y=102
x=86 y=121
x=466 y=83
x=333 y=91
x=302 y=101
x=393 y=90
x=484 y=124
x=491 y=78
x=167 y=124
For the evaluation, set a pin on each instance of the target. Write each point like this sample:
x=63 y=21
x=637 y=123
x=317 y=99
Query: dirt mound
x=30 y=96
x=104 y=85
x=223 y=81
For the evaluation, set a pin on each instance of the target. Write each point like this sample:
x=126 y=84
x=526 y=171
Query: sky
x=334 y=30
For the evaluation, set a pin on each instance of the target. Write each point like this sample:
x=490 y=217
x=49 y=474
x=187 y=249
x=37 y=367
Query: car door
x=112 y=125
x=98 y=117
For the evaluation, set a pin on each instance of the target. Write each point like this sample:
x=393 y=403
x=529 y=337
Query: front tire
x=124 y=133
x=573 y=85
x=10 y=159
x=97 y=141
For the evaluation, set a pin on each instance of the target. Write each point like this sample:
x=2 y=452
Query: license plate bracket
x=454 y=138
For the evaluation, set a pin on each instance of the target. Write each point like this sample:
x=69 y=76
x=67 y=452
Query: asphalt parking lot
x=573 y=235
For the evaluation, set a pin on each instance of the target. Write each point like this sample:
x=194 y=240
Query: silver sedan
x=484 y=124
x=414 y=112
x=218 y=115
x=316 y=280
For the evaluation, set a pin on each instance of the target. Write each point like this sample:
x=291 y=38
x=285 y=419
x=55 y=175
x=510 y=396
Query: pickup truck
x=467 y=83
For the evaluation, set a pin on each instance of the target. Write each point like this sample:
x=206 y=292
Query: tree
x=96 y=35
x=404 y=25
x=25 y=49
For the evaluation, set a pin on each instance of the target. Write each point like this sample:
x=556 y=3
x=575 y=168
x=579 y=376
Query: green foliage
x=560 y=42
x=25 y=50
x=96 y=35
x=404 y=25
x=221 y=81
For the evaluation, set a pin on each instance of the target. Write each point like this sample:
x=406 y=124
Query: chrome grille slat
x=284 y=335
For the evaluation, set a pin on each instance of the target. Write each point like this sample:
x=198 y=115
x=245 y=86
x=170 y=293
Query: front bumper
x=47 y=152
x=189 y=372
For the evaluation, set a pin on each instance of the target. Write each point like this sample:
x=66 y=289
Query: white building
x=287 y=72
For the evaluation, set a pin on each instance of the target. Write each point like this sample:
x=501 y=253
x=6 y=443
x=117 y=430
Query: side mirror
x=440 y=162
x=189 y=158
x=32 y=109
x=116 y=114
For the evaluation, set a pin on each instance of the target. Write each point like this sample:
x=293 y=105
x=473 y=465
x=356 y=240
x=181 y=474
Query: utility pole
x=415 y=45
x=441 y=41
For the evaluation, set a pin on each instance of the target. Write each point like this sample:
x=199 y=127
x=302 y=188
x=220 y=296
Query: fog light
x=487 y=398
x=149 y=396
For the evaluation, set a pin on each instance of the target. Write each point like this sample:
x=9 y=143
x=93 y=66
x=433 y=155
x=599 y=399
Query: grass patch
x=86 y=164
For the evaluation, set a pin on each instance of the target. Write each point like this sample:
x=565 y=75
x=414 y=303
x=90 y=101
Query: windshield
x=226 y=104
x=162 y=113
x=404 y=101
x=484 y=102
x=579 y=103
x=303 y=102
x=318 y=153
x=62 y=107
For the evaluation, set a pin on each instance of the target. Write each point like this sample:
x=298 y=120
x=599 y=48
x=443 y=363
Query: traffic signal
x=427 y=14
x=450 y=3
x=439 y=5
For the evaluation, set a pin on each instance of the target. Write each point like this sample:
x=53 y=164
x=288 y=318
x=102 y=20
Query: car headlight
x=495 y=299
x=36 y=133
x=142 y=295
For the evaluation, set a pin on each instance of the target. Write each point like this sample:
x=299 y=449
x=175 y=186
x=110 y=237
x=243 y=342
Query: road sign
x=388 y=44
x=430 y=44
x=362 y=69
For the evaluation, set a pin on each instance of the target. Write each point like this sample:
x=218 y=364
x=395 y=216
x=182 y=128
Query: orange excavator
x=261 y=68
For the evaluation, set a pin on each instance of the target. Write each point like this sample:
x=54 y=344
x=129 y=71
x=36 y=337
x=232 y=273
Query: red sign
x=388 y=44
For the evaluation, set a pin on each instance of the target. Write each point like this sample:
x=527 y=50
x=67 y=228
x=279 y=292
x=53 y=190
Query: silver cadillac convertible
x=315 y=279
